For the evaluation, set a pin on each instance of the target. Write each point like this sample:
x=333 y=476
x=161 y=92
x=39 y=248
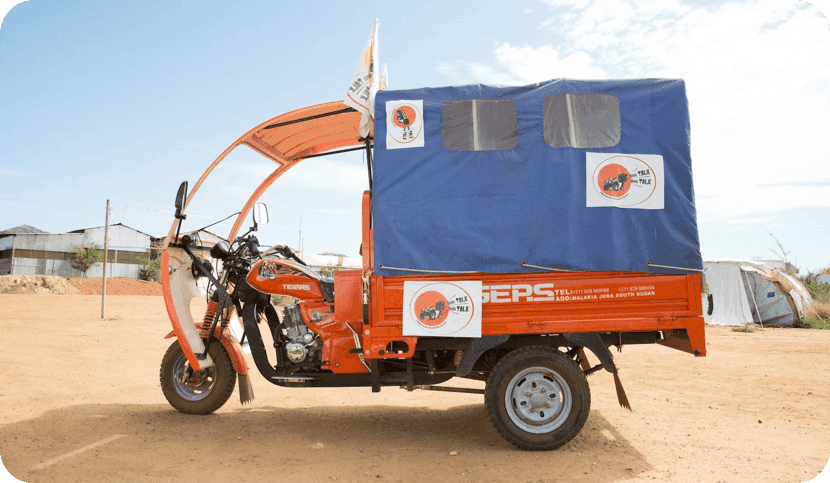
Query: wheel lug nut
x=527 y=394
x=543 y=390
x=547 y=405
x=532 y=410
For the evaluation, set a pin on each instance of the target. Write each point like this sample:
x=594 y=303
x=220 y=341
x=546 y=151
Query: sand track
x=81 y=402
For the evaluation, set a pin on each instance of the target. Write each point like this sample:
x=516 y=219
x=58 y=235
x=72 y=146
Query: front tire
x=201 y=392
x=538 y=399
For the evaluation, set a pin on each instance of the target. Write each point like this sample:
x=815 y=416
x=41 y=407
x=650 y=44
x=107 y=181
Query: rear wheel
x=537 y=398
x=197 y=392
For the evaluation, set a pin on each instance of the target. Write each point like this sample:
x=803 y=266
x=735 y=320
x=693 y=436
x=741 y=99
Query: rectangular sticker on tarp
x=404 y=124
x=624 y=181
x=442 y=309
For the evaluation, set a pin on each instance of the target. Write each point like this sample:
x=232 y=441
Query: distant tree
x=86 y=257
x=790 y=268
x=150 y=269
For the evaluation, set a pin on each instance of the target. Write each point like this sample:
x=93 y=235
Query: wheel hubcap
x=192 y=386
x=538 y=400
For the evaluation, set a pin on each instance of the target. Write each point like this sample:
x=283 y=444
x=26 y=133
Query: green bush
x=150 y=269
x=819 y=291
x=86 y=257
x=818 y=324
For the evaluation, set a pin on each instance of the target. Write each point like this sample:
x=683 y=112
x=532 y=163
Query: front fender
x=179 y=288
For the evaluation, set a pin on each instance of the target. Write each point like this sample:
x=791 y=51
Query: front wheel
x=537 y=398
x=199 y=392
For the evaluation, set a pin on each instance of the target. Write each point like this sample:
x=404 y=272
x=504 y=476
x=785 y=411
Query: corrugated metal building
x=52 y=253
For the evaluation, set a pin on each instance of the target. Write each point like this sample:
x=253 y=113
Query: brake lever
x=288 y=253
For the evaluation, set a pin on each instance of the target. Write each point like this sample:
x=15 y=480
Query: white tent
x=729 y=300
x=744 y=292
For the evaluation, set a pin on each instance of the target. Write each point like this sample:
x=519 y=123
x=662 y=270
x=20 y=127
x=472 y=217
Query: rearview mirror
x=260 y=214
x=181 y=196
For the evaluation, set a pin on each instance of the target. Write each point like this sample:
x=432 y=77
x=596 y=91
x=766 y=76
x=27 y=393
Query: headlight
x=220 y=250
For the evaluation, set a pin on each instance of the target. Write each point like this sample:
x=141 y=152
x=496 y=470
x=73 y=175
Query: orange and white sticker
x=404 y=124
x=624 y=181
x=445 y=309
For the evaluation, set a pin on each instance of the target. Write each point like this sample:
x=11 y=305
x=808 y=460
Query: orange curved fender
x=240 y=365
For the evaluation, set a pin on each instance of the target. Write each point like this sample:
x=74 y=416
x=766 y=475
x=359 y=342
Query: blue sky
x=124 y=100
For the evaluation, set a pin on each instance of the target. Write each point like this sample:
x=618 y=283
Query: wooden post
x=104 y=276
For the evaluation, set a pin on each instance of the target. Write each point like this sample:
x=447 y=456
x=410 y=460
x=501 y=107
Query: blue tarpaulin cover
x=521 y=200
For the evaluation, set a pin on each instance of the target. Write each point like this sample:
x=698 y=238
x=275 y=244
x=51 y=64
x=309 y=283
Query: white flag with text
x=361 y=93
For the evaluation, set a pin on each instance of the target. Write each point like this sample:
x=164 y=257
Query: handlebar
x=285 y=251
x=245 y=241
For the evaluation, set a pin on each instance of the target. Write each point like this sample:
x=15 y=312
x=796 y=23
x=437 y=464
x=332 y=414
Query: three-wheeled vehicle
x=493 y=249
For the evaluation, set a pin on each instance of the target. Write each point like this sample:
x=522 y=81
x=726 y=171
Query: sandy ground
x=35 y=284
x=80 y=401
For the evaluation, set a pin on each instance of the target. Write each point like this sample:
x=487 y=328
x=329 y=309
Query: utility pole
x=104 y=280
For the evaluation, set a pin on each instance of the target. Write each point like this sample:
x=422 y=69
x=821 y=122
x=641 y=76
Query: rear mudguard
x=475 y=349
x=593 y=341
x=590 y=340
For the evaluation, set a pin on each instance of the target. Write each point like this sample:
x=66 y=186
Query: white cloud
x=532 y=65
x=756 y=74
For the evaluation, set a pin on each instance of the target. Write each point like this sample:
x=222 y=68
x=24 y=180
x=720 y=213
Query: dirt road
x=80 y=401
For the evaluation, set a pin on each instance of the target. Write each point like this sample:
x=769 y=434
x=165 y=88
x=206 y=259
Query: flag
x=361 y=93
x=384 y=79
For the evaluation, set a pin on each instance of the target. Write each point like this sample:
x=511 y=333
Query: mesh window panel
x=582 y=120
x=479 y=125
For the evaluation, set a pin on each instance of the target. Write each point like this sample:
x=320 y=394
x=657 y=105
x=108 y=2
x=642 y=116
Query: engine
x=300 y=344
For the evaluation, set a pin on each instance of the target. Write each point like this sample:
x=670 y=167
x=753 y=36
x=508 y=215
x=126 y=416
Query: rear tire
x=538 y=399
x=199 y=393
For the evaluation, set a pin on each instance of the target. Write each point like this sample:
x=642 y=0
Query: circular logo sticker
x=443 y=306
x=406 y=123
x=431 y=309
x=614 y=180
x=626 y=180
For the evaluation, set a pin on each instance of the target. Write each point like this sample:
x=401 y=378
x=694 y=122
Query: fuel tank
x=286 y=277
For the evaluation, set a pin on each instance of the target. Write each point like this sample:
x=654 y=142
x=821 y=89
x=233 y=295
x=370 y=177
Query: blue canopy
x=565 y=174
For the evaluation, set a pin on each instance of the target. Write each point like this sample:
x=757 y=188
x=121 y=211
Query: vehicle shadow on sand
x=341 y=443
